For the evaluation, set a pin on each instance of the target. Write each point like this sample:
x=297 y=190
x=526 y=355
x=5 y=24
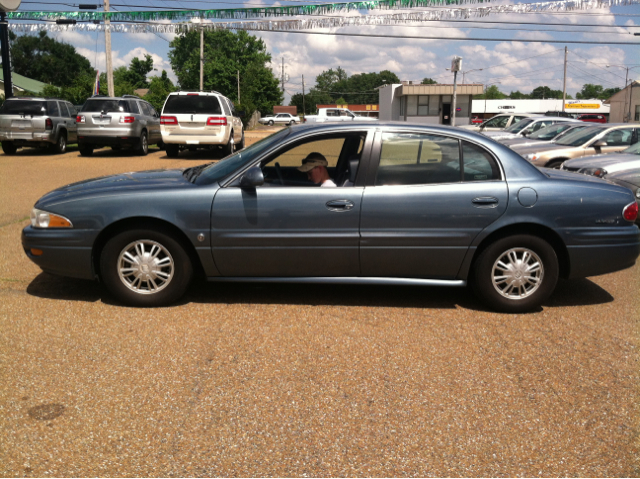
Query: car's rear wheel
x=173 y=151
x=291 y=122
x=270 y=123
x=9 y=148
x=60 y=146
x=229 y=148
x=145 y=268
x=516 y=273
x=143 y=144
x=85 y=150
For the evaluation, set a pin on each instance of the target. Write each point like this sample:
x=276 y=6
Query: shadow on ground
x=580 y=292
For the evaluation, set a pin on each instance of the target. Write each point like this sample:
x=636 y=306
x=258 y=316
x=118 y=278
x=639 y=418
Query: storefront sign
x=583 y=106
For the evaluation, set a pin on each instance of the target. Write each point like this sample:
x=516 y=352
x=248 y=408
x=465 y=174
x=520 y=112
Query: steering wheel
x=279 y=171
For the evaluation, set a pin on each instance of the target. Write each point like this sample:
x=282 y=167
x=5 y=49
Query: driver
x=315 y=166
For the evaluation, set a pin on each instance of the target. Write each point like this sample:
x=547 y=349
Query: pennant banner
x=328 y=8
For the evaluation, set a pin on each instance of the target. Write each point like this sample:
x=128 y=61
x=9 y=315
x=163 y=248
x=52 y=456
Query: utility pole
x=456 y=66
x=201 y=56
x=564 y=81
x=282 y=75
x=6 y=58
x=107 y=41
x=238 y=71
x=303 y=108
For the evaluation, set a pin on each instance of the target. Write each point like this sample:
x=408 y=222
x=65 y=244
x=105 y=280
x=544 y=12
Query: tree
x=356 y=89
x=227 y=53
x=45 y=59
x=590 y=91
x=312 y=98
x=428 y=81
x=491 y=93
x=341 y=101
x=516 y=95
x=544 y=92
x=159 y=89
x=78 y=92
x=136 y=75
x=327 y=80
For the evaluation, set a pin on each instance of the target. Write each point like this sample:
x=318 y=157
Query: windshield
x=192 y=104
x=579 y=138
x=633 y=149
x=518 y=127
x=550 y=131
x=223 y=168
x=24 y=107
x=118 y=106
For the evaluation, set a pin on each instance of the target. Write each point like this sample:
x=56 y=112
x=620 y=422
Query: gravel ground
x=299 y=380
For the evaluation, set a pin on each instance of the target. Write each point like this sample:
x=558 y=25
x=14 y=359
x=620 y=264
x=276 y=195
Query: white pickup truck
x=335 y=114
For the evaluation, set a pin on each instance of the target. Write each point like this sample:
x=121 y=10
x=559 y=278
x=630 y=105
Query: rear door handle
x=339 y=205
x=485 y=202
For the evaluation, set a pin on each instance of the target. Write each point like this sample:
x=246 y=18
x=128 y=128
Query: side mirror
x=599 y=144
x=252 y=178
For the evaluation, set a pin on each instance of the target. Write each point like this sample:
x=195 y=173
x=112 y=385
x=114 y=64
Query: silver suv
x=118 y=122
x=195 y=120
x=39 y=122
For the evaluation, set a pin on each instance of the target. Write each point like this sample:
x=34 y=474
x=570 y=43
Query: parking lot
x=302 y=380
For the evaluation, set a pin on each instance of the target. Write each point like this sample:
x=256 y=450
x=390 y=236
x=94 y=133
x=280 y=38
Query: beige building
x=625 y=105
x=430 y=104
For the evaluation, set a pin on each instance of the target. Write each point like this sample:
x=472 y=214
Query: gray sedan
x=629 y=179
x=400 y=204
x=602 y=165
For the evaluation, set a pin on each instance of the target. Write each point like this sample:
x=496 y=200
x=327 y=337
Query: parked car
x=592 y=118
x=590 y=141
x=476 y=120
x=549 y=134
x=118 y=122
x=279 y=119
x=562 y=114
x=193 y=120
x=493 y=219
x=498 y=122
x=335 y=115
x=37 y=122
x=603 y=165
x=629 y=179
x=526 y=127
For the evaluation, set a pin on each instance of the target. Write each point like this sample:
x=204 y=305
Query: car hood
x=523 y=142
x=470 y=127
x=569 y=175
x=631 y=177
x=602 y=161
x=542 y=148
x=501 y=134
x=117 y=184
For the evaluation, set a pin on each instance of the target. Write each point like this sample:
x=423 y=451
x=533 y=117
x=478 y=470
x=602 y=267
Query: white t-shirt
x=328 y=183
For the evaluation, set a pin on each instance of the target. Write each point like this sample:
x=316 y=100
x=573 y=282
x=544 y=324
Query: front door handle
x=485 y=202
x=339 y=205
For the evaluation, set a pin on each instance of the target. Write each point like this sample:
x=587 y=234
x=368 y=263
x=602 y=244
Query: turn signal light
x=630 y=212
x=168 y=120
x=127 y=119
x=216 y=120
x=36 y=252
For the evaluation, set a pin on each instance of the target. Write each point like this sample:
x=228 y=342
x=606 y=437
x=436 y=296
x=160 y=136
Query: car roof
x=203 y=93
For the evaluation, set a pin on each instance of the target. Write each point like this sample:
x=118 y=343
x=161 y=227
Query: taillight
x=80 y=118
x=216 y=120
x=304 y=120
x=168 y=120
x=48 y=124
x=630 y=212
x=127 y=119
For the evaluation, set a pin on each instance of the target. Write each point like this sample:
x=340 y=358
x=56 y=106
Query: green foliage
x=516 y=95
x=45 y=59
x=544 y=92
x=159 y=89
x=341 y=101
x=356 y=89
x=491 y=93
x=78 y=92
x=312 y=98
x=428 y=81
x=227 y=53
x=590 y=91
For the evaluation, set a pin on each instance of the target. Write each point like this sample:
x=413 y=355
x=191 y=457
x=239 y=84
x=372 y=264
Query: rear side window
x=24 y=107
x=478 y=164
x=107 y=106
x=192 y=104
x=418 y=159
x=52 y=108
x=146 y=109
x=71 y=109
x=133 y=107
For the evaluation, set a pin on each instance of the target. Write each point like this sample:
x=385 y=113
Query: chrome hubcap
x=517 y=273
x=145 y=267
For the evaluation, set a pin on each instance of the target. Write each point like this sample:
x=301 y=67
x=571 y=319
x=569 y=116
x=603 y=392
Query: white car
x=526 y=127
x=498 y=122
x=279 y=119
x=193 y=120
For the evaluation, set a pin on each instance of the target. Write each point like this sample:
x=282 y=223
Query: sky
x=513 y=63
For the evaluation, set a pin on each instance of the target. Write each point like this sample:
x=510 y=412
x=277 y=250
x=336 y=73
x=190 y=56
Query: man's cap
x=311 y=161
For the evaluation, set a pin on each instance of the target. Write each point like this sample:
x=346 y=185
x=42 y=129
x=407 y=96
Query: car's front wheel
x=516 y=273
x=145 y=268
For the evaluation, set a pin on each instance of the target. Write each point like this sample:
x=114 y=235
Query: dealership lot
x=293 y=380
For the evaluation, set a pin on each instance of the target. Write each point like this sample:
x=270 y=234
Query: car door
x=72 y=124
x=289 y=227
x=424 y=202
x=616 y=140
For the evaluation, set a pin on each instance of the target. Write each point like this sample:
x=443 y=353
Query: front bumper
x=65 y=252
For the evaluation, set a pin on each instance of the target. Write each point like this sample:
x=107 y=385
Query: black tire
x=482 y=277
x=9 y=148
x=85 y=150
x=291 y=122
x=555 y=164
x=240 y=146
x=116 y=148
x=60 y=146
x=229 y=148
x=135 y=288
x=270 y=123
x=173 y=151
x=161 y=145
x=143 y=144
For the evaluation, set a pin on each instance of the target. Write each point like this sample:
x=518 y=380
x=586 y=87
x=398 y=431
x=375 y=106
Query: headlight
x=532 y=156
x=599 y=172
x=42 y=219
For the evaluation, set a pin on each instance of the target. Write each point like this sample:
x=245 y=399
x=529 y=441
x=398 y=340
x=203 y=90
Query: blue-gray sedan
x=399 y=203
